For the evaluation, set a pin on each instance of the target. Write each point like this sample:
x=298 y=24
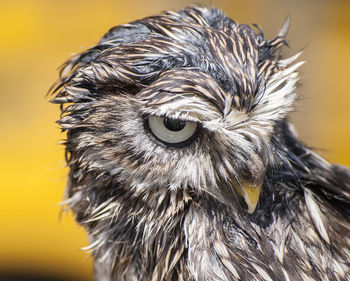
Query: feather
x=237 y=197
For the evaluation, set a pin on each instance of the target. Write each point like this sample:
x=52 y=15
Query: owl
x=184 y=164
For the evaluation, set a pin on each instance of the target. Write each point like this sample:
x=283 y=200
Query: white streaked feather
x=277 y=99
x=286 y=275
x=289 y=61
x=262 y=272
x=316 y=215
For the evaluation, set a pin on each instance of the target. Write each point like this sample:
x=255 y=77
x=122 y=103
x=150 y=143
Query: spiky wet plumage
x=155 y=212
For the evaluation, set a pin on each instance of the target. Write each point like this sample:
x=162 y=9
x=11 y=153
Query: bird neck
x=141 y=235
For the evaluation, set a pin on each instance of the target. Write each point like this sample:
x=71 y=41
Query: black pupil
x=174 y=124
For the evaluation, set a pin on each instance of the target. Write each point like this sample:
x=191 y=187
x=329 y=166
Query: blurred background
x=37 y=36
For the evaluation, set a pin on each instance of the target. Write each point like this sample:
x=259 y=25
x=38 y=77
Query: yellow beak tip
x=251 y=194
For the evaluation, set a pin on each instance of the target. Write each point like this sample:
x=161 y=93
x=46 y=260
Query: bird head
x=179 y=101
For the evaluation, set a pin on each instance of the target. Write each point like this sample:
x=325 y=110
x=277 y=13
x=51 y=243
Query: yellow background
x=37 y=36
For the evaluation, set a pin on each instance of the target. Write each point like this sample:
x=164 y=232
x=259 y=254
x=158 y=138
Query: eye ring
x=171 y=132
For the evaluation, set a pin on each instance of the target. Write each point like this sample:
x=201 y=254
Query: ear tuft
x=285 y=28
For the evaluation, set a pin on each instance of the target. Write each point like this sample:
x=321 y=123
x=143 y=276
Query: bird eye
x=172 y=132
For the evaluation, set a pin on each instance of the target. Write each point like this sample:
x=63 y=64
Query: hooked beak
x=250 y=193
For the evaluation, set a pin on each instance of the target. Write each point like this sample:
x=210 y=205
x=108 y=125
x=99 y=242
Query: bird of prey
x=184 y=164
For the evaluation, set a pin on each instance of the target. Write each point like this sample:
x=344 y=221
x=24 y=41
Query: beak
x=250 y=193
